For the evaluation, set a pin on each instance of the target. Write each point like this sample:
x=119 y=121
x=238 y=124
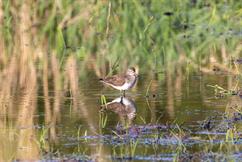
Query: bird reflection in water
x=124 y=107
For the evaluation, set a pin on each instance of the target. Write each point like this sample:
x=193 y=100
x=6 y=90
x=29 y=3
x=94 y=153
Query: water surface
x=171 y=115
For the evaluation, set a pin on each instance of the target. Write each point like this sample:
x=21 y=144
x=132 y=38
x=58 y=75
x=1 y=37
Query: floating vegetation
x=221 y=92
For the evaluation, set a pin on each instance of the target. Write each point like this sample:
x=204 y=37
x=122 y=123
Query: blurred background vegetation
x=150 y=33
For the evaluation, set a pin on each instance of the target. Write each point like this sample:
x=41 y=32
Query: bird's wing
x=115 y=80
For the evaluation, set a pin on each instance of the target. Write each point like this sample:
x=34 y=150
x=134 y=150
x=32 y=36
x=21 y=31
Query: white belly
x=126 y=86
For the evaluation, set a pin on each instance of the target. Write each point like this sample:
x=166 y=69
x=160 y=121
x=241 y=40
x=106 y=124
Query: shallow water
x=178 y=117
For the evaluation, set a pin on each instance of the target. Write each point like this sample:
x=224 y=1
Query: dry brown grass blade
x=27 y=107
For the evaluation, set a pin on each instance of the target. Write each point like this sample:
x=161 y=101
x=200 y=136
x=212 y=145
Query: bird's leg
x=123 y=93
x=121 y=101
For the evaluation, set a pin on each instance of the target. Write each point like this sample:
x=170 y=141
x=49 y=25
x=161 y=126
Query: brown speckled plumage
x=122 y=82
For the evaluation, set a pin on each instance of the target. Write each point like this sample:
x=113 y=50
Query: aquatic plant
x=103 y=117
x=103 y=101
x=220 y=91
x=133 y=144
x=42 y=139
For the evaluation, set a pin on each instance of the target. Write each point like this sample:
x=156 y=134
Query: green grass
x=151 y=32
x=103 y=117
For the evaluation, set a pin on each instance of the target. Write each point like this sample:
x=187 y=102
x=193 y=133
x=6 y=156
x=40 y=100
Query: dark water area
x=179 y=118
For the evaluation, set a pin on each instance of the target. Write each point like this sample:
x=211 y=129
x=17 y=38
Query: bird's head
x=131 y=71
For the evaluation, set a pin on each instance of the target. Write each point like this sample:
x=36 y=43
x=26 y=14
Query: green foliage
x=42 y=142
x=150 y=32
x=6 y=29
x=103 y=116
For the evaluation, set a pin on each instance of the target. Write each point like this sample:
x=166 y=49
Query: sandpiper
x=122 y=82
